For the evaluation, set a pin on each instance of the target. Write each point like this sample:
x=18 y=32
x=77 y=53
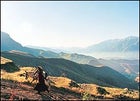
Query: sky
x=69 y=23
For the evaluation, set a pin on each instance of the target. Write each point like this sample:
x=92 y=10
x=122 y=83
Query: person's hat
x=40 y=67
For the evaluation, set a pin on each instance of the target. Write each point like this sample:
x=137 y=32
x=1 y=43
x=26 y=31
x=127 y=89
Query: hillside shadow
x=9 y=67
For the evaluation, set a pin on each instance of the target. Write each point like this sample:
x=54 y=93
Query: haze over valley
x=126 y=48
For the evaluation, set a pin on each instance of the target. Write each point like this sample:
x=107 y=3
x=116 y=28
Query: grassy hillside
x=104 y=76
x=8 y=65
x=62 y=88
x=79 y=58
x=129 y=68
x=18 y=91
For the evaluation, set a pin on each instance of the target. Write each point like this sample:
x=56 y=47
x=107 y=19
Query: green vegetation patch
x=9 y=67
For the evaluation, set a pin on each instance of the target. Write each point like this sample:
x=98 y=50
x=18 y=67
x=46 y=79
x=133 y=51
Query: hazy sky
x=69 y=23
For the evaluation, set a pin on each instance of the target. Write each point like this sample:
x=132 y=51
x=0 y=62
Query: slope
x=127 y=44
x=80 y=73
x=16 y=87
x=79 y=58
x=129 y=68
x=8 y=65
x=8 y=44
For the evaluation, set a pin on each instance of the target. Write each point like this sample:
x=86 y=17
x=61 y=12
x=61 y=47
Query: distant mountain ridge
x=8 y=44
x=79 y=58
x=125 y=48
x=127 y=44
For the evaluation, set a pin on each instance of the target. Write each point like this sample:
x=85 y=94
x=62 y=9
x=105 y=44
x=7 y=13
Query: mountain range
x=8 y=44
x=127 y=44
x=25 y=56
x=125 y=48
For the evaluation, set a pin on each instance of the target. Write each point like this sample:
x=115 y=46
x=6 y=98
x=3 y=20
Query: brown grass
x=5 y=60
x=65 y=82
x=16 y=75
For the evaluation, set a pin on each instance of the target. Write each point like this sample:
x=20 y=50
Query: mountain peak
x=128 y=44
x=4 y=34
x=7 y=43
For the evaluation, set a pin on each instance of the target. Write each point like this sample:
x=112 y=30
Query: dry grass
x=61 y=81
x=92 y=89
x=5 y=60
x=65 y=82
x=117 y=91
x=16 y=75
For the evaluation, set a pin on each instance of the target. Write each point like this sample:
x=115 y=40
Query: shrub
x=121 y=96
x=102 y=91
x=73 y=84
